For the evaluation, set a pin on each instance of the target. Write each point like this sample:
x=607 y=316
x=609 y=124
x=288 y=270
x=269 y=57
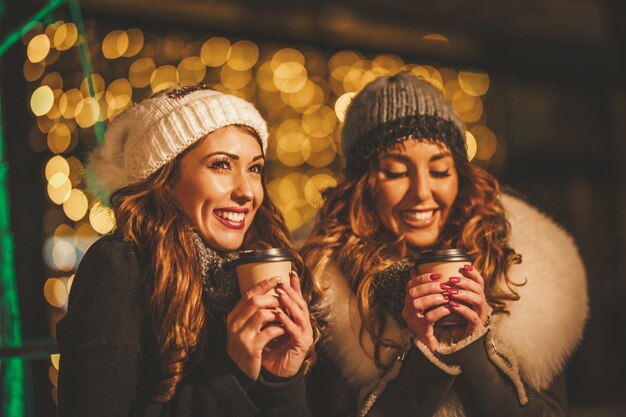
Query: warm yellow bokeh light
x=59 y=194
x=435 y=37
x=286 y=55
x=470 y=143
x=319 y=121
x=341 y=105
x=119 y=93
x=342 y=59
x=289 y=149
x=42 y=100
x=315 y=185
x=486 y=141
x=265 y=77
x=54 y=360
x=64 y=231
x=101 y=218
x=215 y=52
x=191 y=70
x=87 y=112
x=57 y=164
x=135 y=42
x=290 y=77
x=319 y=152
x=391 y=63
x=115 y=44
x=33 y=70
x=164 y=77
x=98 y=85
x=76 y=205
x=68 y=102
x=243 y=55
x=38 y=48
x=53 y=376
x=140 y=71
x=63 y=256
x=59 y=138
x=65 y=36
x=233 y=79
x=55 y=292
x=474 y=83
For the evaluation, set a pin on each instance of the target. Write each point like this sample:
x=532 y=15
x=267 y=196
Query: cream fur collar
x=544 y=326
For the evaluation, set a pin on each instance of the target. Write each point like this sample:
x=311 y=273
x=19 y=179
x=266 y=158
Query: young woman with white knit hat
x=156 y=325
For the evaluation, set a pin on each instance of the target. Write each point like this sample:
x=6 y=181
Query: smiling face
x=220 y=186
x=416 y=186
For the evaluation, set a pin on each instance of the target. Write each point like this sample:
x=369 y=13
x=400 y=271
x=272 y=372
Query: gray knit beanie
x=391 y=109
x=153 y=132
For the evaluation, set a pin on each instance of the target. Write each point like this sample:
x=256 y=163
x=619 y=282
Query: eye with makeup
x=258 y=168
x=393 y=169
x=220 y=164
x=440 y=173
x=393 y=174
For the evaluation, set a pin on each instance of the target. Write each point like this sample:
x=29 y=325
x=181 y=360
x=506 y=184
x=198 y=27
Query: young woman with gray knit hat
x=155 y=324
x=490 y=338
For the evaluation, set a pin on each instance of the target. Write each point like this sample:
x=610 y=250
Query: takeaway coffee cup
x=446 y=262
x=255 y=266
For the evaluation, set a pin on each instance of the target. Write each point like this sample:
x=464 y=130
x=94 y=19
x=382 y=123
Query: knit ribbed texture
x=391 y=109
x=153 y=132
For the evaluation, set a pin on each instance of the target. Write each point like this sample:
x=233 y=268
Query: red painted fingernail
x=454 y=304
x=445 y=297
x=468 y=268
x=445 y=286
x=434 y=277
x=455 y=280
x=452 y=292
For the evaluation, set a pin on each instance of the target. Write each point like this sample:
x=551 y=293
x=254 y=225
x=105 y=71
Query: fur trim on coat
x=555 y=295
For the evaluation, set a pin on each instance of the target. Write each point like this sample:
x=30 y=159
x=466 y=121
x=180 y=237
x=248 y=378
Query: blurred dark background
x=556 y=104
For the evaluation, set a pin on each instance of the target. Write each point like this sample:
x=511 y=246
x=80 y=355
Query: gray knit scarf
x=221 y=291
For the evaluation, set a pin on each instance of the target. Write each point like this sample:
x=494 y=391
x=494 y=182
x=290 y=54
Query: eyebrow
x=230 y=155
x=404 y=158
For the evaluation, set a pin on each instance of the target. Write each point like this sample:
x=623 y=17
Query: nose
x=242 y=190
x=421 y=186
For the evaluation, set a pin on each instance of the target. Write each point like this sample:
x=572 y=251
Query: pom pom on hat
x=153 y=132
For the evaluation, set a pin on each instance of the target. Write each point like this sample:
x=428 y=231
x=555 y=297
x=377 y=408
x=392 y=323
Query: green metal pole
x=10 y=324
x=85 y=60
x=12 y=370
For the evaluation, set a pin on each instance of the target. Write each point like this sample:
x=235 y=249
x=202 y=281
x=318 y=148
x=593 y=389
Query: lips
x=233 y=218
x=418 y=219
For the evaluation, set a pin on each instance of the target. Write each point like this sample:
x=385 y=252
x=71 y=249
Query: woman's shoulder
x=113 y=245
x=522 y=214
x=546 y=324
x=112 y=258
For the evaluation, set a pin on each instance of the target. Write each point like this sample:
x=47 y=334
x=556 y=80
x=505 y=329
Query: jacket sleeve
x=99 y=337
x=486 y=391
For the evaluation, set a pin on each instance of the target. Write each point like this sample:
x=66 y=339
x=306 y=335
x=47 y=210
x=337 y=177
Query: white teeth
x=232 y=216
x=420 y=216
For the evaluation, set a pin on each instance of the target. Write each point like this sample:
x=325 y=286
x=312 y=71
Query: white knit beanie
x=153 y=132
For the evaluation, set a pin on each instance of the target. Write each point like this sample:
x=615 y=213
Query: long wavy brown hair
x=147 y=217
x=350 y=234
